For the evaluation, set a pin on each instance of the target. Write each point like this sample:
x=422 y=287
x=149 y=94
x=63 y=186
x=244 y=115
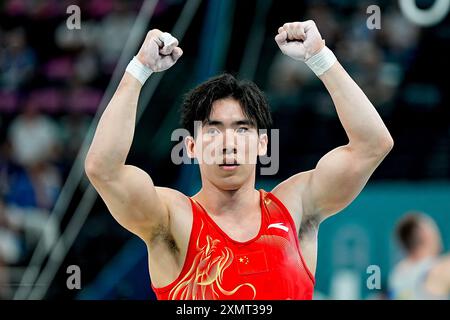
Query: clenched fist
x=299 y=40
x=159 y=51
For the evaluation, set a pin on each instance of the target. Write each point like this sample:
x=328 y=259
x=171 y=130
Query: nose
x=229 y=143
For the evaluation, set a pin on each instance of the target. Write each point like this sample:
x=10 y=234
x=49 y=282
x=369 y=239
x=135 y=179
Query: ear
x=189 y=141
x=263 y=140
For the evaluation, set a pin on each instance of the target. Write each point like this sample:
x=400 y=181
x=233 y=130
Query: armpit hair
x=162 y=233
x=309 y=226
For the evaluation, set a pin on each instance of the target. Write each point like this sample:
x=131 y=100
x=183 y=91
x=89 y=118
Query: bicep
x=133 y=200
x=338 y=178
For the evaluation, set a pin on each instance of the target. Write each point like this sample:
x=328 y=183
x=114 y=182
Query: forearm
x=115 y=130
x=363 y=125
x=114 y=134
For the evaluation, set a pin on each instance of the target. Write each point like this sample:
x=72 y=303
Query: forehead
x=226 y=109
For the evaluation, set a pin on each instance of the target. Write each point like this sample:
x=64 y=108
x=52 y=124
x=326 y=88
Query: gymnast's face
x=227 y=146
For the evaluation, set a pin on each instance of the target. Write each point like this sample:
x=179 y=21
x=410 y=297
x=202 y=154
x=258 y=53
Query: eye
x=242 y=130
x=212 y=131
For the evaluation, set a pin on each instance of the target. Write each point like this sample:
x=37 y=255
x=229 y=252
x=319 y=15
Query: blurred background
x=56 y=76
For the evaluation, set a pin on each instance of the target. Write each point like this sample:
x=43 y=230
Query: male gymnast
x=231 y=241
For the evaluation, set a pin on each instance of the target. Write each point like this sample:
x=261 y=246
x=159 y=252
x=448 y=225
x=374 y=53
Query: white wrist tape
x=138 y=70
x=321 y=61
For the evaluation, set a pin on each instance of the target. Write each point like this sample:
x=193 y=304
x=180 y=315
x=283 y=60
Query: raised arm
x=341 y=174
x=128 y=191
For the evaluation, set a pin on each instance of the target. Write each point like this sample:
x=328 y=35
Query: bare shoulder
x=446 y=259
x=291 y=192
x=293 y=185
x=440 y=270
x=174 y=199
x=438 y=279
x=444 y=265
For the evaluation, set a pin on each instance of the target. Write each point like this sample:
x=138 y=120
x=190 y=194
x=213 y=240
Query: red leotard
x=269 y=266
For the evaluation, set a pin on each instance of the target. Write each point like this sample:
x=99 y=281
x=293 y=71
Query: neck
x=228 y=202
x=421 y=253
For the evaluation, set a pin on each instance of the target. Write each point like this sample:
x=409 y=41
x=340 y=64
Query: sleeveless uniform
x=269 y=266
x=407 y=282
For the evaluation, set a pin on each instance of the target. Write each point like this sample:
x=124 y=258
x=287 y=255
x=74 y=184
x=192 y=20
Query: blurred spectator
x=35 y=144
x=76 y=39
x=29 y=193
x=74 y=127
x=399 y=36
x=423 y=273
x=33 y=224
x=36 y=186
x=117 y=25
x=86 y=67
x=33 y=137
x=17 y=60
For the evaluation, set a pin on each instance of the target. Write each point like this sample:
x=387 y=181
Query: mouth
x=231 y=165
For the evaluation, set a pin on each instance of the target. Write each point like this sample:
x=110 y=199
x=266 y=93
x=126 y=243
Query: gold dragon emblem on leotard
x=204 y=280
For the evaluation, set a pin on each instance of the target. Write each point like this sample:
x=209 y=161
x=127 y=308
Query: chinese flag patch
x=252 y=262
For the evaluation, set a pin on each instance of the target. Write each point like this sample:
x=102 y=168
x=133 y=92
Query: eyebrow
x=243 y=122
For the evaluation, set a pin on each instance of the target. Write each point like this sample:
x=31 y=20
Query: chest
x=265 y=238
x=242 y=229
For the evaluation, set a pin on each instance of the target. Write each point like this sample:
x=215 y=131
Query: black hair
x=197 y=104
x=407 y=231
